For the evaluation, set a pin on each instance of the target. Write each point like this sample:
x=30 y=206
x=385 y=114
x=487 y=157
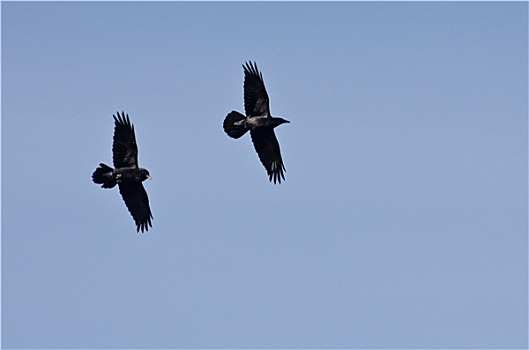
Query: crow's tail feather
x=231 y=127
x=104 y=175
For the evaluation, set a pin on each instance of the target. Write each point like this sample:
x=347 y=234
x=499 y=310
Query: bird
x=126 y=173
x=259 y=122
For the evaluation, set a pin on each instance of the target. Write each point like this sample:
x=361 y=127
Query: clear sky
x=402 y=222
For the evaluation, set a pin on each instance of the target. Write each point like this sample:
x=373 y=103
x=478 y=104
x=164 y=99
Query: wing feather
x=267 y=148
x=255 y=96
x=137 y=202
x=124 y=147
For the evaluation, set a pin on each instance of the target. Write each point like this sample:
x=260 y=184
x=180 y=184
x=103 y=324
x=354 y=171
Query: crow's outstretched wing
x=137 y=202
x=267 y=147
x=255 y=96
x=124 y=148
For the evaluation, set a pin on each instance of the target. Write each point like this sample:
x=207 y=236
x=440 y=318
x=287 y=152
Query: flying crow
x=259 y=121
x=127 y=175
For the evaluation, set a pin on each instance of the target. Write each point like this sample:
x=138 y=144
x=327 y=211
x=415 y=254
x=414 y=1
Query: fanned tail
x=231 y=125
x=104 y=175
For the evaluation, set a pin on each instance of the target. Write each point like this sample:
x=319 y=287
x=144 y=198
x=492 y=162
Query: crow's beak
x=149 y=177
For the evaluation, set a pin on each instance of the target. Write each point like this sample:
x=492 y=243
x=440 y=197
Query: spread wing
x=267 y=147
x=124 y=148
x=255 y=96
x=137 y=202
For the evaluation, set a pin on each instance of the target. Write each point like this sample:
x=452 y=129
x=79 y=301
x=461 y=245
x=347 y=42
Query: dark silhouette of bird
x=259 y=121
x=126 y=173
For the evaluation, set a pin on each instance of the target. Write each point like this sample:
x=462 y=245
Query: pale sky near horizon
x=402 y=222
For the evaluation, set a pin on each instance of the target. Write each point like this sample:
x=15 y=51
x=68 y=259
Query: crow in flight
x=259 y=121
x=127 y=175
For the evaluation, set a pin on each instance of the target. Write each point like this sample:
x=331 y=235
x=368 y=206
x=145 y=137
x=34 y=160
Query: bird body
x=110 y=177
x=126 y=174
x=254 y=123
x=259 y=122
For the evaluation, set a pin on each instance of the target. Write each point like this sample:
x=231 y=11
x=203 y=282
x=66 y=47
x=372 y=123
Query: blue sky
x=402 y=222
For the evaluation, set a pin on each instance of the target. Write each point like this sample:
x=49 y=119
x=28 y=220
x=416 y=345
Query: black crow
x=259 y=121
x=127 y=175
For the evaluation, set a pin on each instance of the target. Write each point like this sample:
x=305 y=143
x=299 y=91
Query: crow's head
x=279 y=121
x=143 y=175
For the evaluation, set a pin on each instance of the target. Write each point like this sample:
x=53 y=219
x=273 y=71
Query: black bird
x=259 y=121
x=127 y=175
